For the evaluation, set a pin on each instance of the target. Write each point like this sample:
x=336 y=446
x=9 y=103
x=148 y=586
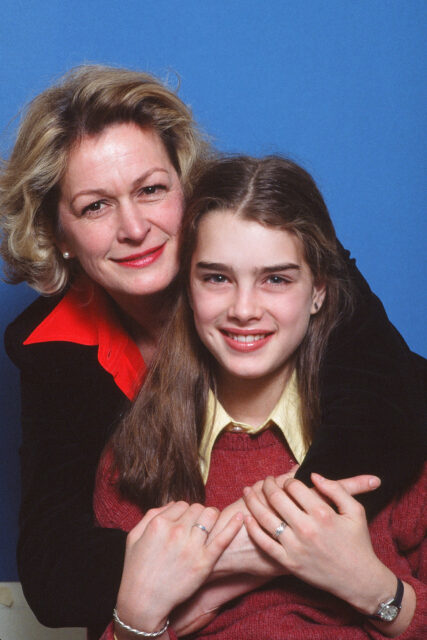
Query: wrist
x=389 y=609
x=131 y=624
x=376 y=591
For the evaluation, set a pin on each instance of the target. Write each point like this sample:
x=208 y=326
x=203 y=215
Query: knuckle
x=132 y=537
x=359 y=510
x=211 y=513
x=308 y=531
x=276 y=495
x=266 y=483
x=196 y=509
x=177 y=531
x=197 y=506
x=323 y=513
x=182 y=503
x=290 y=484
x=155 y=524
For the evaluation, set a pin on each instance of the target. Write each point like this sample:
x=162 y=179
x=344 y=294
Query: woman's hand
x=167 y=559
x=203 y=607
x=329 y=550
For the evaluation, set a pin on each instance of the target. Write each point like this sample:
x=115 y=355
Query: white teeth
x=243 y=338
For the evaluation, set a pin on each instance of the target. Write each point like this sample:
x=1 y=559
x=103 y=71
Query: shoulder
x=18 y=330
x=48 y=358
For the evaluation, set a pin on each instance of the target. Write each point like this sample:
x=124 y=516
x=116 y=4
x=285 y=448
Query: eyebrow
x=218 y=266
x=135 y=184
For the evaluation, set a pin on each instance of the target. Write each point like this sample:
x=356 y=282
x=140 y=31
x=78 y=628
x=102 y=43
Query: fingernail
x=374 y=482
x=318 y=477
x=246 y=490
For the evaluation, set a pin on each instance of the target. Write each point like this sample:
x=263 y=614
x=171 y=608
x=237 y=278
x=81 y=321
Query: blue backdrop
x=336 y=84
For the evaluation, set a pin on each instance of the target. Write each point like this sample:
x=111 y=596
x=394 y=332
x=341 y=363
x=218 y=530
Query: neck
x=144 y=318
x=251 y=400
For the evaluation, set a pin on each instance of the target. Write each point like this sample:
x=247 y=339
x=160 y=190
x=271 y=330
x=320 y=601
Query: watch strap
x=399 y=594
x=395 y=602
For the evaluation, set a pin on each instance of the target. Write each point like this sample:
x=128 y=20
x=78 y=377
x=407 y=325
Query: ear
x=319 y=293
x=61 y=245
x=64 y=251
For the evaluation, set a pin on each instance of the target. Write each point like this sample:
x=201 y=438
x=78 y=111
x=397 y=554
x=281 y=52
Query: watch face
x=388 y=613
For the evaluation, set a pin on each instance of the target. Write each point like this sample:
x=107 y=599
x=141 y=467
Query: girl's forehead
x=226 y=236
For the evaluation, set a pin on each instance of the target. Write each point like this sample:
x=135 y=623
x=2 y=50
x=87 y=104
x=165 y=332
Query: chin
x=149 y=287
x=247 y=375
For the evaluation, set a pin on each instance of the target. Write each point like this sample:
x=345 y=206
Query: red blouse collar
x=86 y=316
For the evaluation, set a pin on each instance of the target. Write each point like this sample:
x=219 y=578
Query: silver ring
x=280 y=529
x=202 y=527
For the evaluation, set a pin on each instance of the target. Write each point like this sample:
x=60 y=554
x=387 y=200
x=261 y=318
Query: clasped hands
x=186 y=561
x=316 y=531
x=264 y=502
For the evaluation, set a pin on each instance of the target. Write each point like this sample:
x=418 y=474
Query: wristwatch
x=388 y=611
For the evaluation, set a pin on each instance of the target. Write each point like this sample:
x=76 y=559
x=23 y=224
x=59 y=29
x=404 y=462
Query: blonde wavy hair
x=83 y=102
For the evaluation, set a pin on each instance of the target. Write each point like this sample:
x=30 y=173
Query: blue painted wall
x=337 y=84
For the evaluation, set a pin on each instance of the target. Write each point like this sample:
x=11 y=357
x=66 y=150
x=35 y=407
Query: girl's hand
x=329 y=550
x=242 y=555
x=167 y=559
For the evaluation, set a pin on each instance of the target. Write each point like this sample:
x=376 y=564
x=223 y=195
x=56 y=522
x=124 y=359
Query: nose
x=245 y=305
x=133 y=226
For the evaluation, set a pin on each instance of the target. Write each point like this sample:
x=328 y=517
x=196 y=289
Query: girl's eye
x=216 y=278
x=277 y=280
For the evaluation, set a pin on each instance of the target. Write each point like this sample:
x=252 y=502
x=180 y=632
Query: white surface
x=19 y=623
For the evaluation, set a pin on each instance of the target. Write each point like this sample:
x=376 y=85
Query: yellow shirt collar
x=286 y=416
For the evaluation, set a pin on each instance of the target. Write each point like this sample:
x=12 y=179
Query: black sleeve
x=372 y=402
x=70 y=570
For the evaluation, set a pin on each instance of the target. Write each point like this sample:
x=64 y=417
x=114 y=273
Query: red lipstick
x=143 y=259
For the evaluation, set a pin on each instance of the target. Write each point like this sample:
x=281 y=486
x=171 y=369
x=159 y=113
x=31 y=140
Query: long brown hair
x=156 y=446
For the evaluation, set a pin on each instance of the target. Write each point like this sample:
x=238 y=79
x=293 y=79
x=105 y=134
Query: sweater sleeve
x=409 y=528
x=372 y=404
x=70 y=570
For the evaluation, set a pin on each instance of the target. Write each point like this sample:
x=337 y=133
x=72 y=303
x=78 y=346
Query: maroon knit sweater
x=286 y=608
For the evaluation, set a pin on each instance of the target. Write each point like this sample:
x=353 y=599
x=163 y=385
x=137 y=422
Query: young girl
x=232 y=398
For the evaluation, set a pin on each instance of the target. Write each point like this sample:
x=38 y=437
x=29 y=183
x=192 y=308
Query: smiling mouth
x=244 y=337
x=142 y=259
x=245 y=342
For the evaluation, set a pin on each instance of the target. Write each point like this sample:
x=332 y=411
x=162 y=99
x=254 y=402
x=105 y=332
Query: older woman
x=91 y=201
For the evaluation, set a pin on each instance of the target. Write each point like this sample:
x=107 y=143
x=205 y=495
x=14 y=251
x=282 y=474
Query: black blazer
x=373 y=413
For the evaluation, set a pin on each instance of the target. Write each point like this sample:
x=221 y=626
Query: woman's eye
x=93 y=207
x=153 y=190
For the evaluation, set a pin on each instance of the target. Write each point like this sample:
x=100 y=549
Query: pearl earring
x=66 y=255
